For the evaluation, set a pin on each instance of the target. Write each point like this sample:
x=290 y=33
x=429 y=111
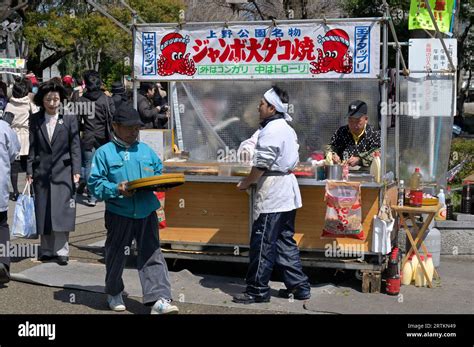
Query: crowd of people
x=99 y=151
x=56 y=148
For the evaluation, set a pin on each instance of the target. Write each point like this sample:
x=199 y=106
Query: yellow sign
x=420 y=17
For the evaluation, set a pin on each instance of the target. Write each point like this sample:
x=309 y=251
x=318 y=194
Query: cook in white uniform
x=277 y=198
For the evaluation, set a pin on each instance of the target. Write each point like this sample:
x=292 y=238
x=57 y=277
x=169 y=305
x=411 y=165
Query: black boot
x=246 y=298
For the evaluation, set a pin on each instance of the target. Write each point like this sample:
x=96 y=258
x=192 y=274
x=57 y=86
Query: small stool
x=420 y=232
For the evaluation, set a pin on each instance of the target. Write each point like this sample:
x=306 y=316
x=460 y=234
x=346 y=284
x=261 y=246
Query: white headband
x=273 y=99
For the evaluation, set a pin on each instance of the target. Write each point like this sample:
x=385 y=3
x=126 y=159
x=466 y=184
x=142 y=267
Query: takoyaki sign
x=254 y=51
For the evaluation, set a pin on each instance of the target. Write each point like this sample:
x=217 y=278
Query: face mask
x=34 y=90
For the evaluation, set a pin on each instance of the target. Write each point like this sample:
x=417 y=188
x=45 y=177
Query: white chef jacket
x=277 y=150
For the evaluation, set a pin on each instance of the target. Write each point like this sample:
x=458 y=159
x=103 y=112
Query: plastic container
x=441 y=214
x=414 y=266
x=407 y=272
x=429 y=266
x=416 y=189
x=449 y=205
x=375 y=167
x=401 y=193
x=466 y=202
x=432 y=242
x=420 y=277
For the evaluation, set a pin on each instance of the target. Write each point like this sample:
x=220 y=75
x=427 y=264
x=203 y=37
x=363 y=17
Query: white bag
x=381 y=235
x=24 y=218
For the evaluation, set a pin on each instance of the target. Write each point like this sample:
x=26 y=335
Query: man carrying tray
x=130 y=215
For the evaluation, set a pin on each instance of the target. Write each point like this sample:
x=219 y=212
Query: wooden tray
x=164 y=181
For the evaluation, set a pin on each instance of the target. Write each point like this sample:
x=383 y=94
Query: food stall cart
x=218 y=72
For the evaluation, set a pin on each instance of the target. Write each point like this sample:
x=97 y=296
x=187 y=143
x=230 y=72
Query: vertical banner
x=258 y=51
x=420 y=18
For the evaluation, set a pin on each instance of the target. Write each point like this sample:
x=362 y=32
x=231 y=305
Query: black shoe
x=80 y=188
x=4 y=274
x=45 y=257
x=296 y=294
x=246 y=298
x=62 y=260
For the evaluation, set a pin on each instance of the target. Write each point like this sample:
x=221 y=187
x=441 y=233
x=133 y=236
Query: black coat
x=52 y=165
x=96 y=130
x=149 y=114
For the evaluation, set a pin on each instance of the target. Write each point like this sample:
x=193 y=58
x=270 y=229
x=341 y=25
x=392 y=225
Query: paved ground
x=453 y=295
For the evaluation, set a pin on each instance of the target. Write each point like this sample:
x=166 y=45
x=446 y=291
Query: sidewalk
x=205 y=288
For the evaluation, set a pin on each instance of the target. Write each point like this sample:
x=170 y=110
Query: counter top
x=236 y=179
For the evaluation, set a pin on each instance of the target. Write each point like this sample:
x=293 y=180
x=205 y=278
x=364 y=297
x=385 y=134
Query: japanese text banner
x=291 y=51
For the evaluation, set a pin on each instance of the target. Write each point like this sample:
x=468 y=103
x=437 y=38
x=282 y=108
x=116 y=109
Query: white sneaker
x=116 y=302
x=163 y=306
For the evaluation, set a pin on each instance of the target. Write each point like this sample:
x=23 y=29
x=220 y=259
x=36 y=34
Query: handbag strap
x=27 y=188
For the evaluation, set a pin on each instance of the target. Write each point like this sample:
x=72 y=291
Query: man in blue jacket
x=130 y=215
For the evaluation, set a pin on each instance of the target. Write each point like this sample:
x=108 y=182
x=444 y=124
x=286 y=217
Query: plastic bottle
x=401 y=193
x=441 y=214
x=407 y=273
x=429 y=266
x=449 y=205
x=375 y=167
x=420 y=276
x=466 y=203
x=416 y=190
x=414 y=266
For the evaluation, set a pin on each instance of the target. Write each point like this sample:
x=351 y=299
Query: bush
x=462 y=148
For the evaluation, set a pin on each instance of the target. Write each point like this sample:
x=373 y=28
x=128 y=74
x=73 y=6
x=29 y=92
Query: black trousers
x=4 y=237
x=272 y=244
x=17 y=167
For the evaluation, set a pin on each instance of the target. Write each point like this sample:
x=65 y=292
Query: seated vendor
x=356 y=141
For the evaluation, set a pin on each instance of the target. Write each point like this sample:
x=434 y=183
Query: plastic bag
x=381 y=236
x=382 y=229
x=24 y=218
x=343 y=211
x=161 y=211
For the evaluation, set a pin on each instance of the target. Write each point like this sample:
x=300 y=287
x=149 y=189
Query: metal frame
x=383 y=78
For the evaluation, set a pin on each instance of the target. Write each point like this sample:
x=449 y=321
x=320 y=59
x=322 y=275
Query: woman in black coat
x=54 y=166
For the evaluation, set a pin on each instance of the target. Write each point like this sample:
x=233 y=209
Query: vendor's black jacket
x=96 y=128
x=342 y=141
x=150 y=116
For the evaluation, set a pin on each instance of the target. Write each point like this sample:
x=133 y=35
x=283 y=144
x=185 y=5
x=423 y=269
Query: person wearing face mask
x=130 y=215
x=53 y=167
x=357 y=141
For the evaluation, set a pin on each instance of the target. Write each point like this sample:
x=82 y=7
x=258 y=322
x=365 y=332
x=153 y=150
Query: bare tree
x=220 y=10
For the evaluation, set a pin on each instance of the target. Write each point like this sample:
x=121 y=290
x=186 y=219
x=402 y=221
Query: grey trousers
x=54 y=244
x=151 y=264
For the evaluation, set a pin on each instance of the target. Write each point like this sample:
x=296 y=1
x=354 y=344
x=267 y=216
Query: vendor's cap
x=127 y=115
x=357 y=109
